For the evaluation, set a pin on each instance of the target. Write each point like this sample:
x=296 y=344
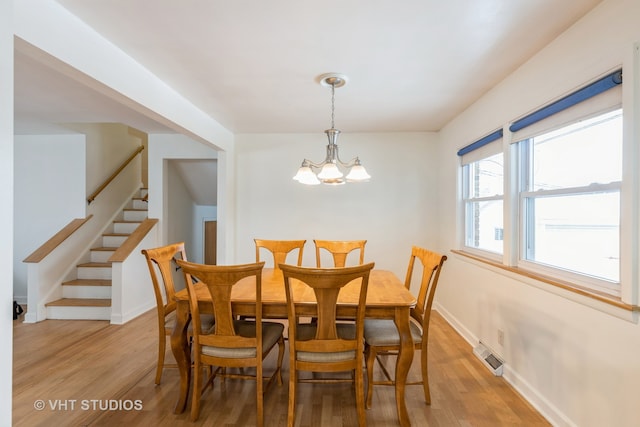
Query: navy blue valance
x=480 y=143
x=595 y=88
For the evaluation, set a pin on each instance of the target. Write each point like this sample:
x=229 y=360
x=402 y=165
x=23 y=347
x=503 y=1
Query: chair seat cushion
x=306 y=332
x=271 y=333
x=383 y=332
x=206 y=321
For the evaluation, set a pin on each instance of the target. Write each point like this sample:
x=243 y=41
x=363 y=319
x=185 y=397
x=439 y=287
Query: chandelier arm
x=309 y=163
x=348 y=164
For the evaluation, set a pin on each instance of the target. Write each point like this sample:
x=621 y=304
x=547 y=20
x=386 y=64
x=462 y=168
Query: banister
x=48 y=246
x=92 y=197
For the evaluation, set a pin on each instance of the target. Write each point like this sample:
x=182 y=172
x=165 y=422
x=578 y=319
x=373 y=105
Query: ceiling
x=253 y=65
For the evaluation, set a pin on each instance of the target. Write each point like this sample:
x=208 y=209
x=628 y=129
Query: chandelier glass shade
x=332 y=170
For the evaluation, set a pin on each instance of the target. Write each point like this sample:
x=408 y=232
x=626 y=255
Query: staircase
x=88 y=297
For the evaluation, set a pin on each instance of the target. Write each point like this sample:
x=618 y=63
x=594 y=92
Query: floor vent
x=489 y=359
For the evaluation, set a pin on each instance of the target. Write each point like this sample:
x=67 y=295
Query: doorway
x=210 y=242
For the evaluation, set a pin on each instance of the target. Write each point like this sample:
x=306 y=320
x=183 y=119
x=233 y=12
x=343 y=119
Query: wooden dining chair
x=326 y=346
x=381 y=335
x=280 y=249
x=161 y=263
x=231 y=343
x=339 y=249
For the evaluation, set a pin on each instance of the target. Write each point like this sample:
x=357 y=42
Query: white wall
x=6 y=209
x=577 y=363
x=169 y=201
x=180 y=210
x=108 y=146
x=393 y=211
x=49 y=190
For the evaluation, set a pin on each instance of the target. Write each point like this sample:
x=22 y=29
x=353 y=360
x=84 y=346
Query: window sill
x=571 y=288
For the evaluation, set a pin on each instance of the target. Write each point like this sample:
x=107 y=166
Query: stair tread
x=80 y=302
x=105 y=248
x=87 y=282
x=116 y=234
x=95 y=264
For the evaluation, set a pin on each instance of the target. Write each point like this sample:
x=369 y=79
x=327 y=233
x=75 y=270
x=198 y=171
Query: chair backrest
x=339 y=249
x=219 y=282
x=162 y=260
x=431 y=266
x=280 y=249
x=326 y=284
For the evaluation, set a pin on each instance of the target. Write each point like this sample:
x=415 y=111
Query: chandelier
x=332 y=170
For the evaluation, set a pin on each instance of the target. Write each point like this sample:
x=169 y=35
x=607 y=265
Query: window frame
x=526 y=195
x=467 y=200
x=624 y=293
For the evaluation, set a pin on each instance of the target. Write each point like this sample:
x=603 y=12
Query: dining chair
x=231 y=343
x=381 y=335
x=280 y=249
x=326 y=345
x=339 y=249
x=161 y=263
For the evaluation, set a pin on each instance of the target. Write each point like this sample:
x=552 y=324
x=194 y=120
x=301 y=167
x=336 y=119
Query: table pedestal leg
x=182 y=353
x=403 y=364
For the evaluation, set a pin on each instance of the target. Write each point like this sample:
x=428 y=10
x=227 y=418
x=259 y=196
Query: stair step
x=79 y=302
x=102 y=254
x=121 y=227
x=79 y=309
x=139 y=203
x=87 y=289
x=87 y=282
x=114 y=239
x=95 y=264
x=94 y=270
x=134 y=214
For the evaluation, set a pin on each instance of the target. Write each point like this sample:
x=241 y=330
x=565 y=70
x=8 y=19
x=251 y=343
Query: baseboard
x=121 y=319
x=21 y=300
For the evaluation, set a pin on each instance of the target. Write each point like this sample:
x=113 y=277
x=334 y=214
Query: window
x=561 y=190
x=570 y=197
x=484 y=203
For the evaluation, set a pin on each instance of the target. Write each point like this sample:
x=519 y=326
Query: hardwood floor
x=91 y=373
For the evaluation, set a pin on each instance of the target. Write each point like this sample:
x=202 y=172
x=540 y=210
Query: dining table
x=387 y=298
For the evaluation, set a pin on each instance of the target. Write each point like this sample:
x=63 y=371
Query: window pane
x=484 y=225
x=486 y=177
x=578 y=155
x=579 y=233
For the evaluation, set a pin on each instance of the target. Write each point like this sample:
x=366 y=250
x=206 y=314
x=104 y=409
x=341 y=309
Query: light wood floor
x=59 y=362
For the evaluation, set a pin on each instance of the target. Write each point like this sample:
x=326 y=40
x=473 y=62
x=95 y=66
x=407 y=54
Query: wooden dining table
x=387 y=298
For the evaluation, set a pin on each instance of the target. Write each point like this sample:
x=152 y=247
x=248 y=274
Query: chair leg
x=360 y=406
x=197 y=390
x=370 y=355
x=291 y=414
x=161 y=350
x=259 y=396
x=425 y=377
x=280 y=358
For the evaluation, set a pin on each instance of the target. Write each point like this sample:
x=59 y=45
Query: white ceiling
x=252 y=65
